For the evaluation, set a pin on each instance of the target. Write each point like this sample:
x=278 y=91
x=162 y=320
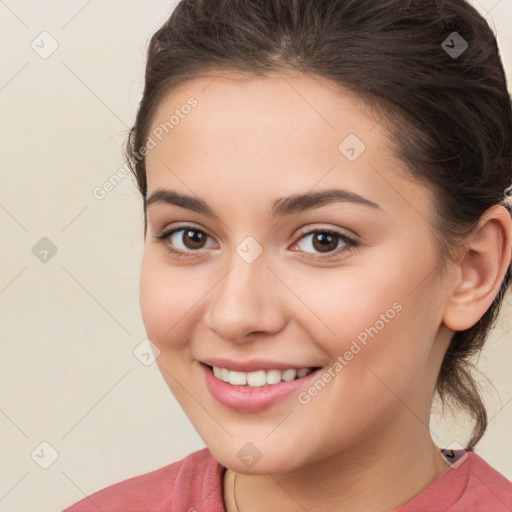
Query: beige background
x=69 y=326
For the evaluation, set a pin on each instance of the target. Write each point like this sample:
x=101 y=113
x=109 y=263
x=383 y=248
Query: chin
x=257 y=458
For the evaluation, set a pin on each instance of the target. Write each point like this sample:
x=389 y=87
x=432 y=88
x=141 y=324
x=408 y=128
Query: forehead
x=307 y=96
x=260 y=118
x=271 y=134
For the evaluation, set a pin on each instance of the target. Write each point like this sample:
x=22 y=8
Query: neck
x=381 y=477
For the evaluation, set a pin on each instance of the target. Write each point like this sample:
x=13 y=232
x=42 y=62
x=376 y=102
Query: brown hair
x=449 y=115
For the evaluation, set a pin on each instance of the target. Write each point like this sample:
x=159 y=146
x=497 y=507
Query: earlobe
x=482 y=267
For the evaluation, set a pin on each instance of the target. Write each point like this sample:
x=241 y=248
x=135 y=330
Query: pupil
x=326 y=240
x=196 y=238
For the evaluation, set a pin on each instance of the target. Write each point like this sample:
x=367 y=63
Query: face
x=243 y=278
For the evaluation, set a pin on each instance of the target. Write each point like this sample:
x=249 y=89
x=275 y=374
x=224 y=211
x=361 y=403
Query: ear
x=481 y=268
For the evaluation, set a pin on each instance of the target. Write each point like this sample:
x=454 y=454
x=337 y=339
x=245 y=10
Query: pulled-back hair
x=449 y=115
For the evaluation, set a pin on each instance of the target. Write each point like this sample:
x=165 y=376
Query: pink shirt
x=194 y=484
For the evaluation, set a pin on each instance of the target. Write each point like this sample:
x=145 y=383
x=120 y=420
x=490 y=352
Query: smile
x=260 y=377
x=256 y=390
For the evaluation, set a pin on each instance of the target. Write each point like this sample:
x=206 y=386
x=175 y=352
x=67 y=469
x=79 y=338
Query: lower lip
x=252 y=399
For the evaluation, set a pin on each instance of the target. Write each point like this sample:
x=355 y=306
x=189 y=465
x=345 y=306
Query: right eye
x=183 y=241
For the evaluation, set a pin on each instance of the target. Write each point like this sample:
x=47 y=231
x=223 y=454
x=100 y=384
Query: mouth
x=256 y=390
x=260 y=378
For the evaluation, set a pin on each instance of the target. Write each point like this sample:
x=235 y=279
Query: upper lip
x=253 y=365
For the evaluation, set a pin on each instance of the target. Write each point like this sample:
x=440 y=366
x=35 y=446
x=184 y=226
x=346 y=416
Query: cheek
x=349 y=304
x=168 y=300
x=169 y=311
x=384 y=319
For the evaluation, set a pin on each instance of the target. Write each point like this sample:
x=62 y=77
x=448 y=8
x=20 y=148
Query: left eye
x=325 y=241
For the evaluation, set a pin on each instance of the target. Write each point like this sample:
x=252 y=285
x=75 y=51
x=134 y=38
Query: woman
x=328 y=241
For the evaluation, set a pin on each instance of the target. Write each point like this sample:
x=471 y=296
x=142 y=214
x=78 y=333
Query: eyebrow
x=280 y=208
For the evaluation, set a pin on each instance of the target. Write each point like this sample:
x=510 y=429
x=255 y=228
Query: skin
x=363 y=442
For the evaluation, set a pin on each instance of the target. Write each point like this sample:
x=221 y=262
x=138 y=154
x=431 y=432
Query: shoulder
x=469 y=484
x=486 y=486
x=194 y=482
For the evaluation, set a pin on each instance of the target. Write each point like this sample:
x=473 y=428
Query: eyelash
x=351 y=244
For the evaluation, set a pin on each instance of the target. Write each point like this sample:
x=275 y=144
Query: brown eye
x=326 y=242
x=193 y=238
x=185 y=240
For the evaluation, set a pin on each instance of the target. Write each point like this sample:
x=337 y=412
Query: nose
x=246 y=302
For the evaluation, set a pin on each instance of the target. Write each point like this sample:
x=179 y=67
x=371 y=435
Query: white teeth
x=259 y=377
x=256 y=379
x=238 y=378
x=289 y=375
x=274 y=376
